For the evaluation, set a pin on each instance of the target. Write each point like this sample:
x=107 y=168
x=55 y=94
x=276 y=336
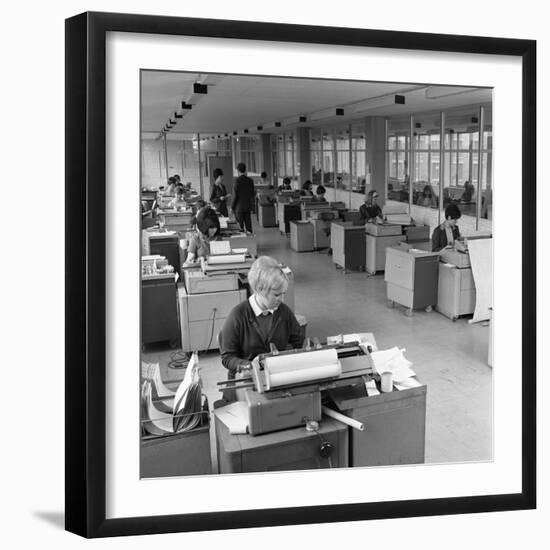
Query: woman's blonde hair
x=265 y=275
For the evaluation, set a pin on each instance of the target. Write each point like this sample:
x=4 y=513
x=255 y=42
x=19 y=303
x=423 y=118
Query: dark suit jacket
x=243 y=195
x=439 y=237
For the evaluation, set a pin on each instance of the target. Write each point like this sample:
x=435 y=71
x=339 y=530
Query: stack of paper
x=234 y=416
x=392 y=360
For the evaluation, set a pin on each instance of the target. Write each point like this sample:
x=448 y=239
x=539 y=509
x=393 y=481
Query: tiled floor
x=449 y=357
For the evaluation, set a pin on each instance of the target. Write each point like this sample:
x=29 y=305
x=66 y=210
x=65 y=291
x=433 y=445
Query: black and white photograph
x=287 y=278
x=316 y=273
x=295 y=295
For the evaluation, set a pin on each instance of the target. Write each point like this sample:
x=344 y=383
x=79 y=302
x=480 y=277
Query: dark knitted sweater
x=242 y=339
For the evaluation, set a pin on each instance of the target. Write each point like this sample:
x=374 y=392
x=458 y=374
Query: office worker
x=370 y=211
x=171 y=189
x=320 y=193
x=218 y=197
x=469 y=190
x=307 y=189
x=264 y=181
x=178 y=202
x=260 y=320
x=286 y=186
x=427 y=198
x=208 y=230
x=447 y=233
x=243 y=199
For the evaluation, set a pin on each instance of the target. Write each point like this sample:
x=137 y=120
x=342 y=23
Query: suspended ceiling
x=235 y=102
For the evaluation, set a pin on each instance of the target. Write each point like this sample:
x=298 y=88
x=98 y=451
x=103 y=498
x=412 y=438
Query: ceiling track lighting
x=199 y=88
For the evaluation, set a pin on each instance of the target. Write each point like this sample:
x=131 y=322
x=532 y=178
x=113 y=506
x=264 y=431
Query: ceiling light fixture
x=377 y=102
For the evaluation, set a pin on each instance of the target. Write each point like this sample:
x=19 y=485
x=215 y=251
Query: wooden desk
x=292 y=449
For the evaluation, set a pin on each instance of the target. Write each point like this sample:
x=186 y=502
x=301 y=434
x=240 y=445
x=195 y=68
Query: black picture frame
x=86 y=282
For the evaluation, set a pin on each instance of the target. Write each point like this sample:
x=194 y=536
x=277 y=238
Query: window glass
x=425 y=177
x=397 y=159
x=329 y=177
x=360 y=182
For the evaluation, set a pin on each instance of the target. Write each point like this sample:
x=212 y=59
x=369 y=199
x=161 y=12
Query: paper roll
x=226 y=259
x=303 y=375
x=344 y=419
x=299 y=361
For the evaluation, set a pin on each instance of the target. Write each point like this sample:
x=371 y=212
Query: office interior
x=418 y=147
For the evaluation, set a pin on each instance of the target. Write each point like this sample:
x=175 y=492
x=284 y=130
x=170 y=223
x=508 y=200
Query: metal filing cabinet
x=301 y=236
x=167 y=246
x=292 y=449
x=411 y=277
x=244 y=240
x=348 y=245
x=321 y=233
x=159 y=310
x=202 y=316
x=395 y=425
x=288 y=212
x=376 y=251
x=266 y=215
x=417 y=232
x=353 y=216
x=456 y=294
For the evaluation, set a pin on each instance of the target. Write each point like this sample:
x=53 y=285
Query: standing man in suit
x=243 y=198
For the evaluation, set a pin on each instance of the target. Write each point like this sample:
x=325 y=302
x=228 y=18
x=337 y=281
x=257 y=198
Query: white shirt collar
x=256 y=308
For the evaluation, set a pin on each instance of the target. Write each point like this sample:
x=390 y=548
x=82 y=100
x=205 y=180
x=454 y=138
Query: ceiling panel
x=236 y=102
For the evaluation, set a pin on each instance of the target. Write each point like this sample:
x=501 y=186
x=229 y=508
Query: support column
x=376 y=155
x=304 y=156
x=266 y=156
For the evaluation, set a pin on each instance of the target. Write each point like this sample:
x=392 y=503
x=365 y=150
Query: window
x=397 y=159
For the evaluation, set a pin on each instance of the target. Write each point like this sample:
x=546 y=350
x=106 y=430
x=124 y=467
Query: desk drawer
x=399 y=269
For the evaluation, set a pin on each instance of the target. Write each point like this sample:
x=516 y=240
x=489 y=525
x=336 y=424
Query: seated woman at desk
x=320 y=194
x=370 y=211
x=447 y=233
x=263 y=319
x=208 y=230
x=469 y=191
x=286 y=185
x=171 y=189
x=178 y=202
x=427 y=198
x=307 y=189
x=218 y=197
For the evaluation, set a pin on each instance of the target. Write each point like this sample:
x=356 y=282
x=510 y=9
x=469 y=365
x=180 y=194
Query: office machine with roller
x=284 y=388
